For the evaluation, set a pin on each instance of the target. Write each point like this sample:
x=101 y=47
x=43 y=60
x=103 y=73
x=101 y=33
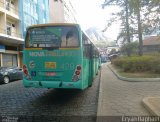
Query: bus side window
x=87 y=51
x=87 y=46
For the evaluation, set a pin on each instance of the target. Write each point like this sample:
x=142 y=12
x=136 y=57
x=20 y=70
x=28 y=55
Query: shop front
x=9 y=56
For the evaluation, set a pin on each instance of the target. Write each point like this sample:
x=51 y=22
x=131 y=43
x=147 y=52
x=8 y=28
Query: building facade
x=15 y=16
x=62 y=11
x=33 y=12
x=151 y=44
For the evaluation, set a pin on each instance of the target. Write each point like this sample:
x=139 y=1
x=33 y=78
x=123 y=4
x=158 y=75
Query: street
x=44 y=104
x=118 y=98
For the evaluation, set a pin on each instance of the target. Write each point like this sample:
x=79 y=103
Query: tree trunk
x=140 y=30
x=127 y=27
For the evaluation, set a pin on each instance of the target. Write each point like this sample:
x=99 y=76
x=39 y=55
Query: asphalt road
x=20 y=104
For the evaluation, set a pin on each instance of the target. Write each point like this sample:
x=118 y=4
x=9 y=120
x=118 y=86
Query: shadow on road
x=58 y=97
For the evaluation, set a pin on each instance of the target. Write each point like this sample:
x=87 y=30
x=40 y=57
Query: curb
x=150 y=106
x=99 y=98
x=133 y=79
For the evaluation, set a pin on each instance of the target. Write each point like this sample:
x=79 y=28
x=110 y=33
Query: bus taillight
x=78 y=67
x=77 y=73
x=25 y=71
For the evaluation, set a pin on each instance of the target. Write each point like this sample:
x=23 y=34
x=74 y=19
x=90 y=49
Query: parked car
x=8 y=74
x=104 y=58
x=113 y=56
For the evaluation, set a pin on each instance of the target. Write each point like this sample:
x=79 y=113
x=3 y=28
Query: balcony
x=9 y=9
x=7 y=36
x=10 y=33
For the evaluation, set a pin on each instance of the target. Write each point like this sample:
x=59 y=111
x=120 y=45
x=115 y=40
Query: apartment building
x=15 y=16
x=62 y=11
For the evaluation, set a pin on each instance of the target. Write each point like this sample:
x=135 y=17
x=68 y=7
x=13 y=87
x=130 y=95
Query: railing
x=10 y=33
x=8 y=8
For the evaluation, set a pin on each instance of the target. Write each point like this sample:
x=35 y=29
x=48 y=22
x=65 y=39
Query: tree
x=112 y=51
x=135 y=7
x=133 y=46
x=138 y=23
x=121 y=3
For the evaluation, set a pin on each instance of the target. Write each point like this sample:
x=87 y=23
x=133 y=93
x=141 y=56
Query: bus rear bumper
x=52 y=84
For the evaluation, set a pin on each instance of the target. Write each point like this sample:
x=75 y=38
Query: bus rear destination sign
x=45 y=54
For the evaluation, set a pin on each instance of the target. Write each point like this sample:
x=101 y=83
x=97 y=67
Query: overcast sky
x=91 y=14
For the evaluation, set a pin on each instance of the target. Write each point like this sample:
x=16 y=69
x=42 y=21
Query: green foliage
x=113 y=51
x=138 y=63
x=149 y=9
x=132 y=47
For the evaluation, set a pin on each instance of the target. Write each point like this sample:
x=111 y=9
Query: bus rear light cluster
x=25 y=72
x=77 y=73
x=78 y=67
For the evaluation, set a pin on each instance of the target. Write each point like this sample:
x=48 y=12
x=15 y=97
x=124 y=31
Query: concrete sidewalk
x=152 y=104
x=119 y=98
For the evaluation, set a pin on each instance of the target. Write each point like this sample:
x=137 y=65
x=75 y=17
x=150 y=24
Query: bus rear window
x=52 y=37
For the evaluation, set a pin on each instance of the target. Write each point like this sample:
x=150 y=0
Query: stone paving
x=17 y=101
x=123 y=98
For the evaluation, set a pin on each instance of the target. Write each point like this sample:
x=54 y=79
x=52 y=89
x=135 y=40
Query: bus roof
x=53 y=24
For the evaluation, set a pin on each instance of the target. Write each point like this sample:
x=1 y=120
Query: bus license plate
x=50 y=74
x=50 y=65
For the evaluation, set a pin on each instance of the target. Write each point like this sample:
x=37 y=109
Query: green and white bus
x=59 y=55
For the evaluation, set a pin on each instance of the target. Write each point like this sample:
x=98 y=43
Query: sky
x=90 y=13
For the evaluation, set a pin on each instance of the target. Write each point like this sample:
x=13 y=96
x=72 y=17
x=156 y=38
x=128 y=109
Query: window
x=70 y=38
x=86 y=46
x=8 y=5
x=44 y=21
x=9 y=60
x=43 y=7
x=31 y=10
x=52 y=37
x=8 y=30
x=35 y=1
